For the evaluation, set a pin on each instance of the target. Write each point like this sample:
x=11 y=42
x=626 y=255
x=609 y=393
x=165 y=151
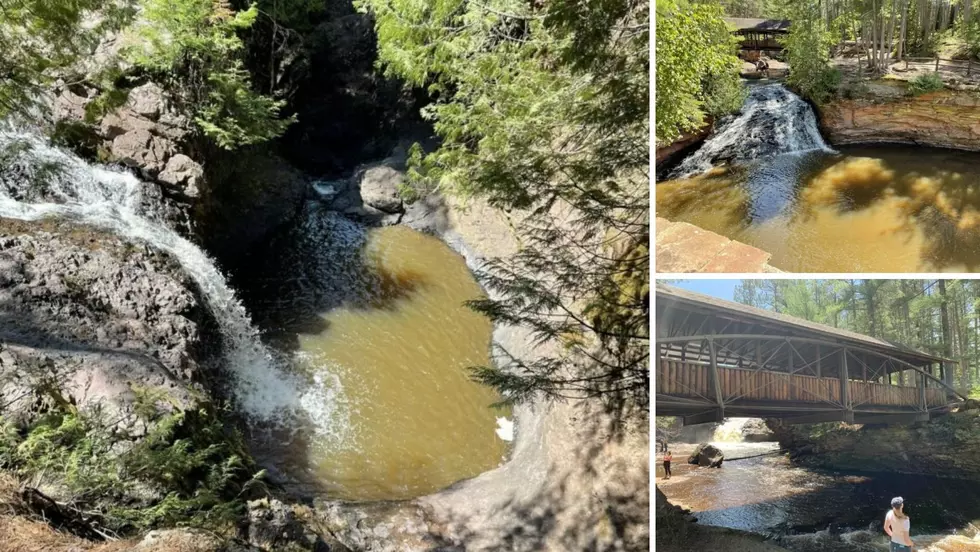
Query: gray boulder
x=379 y=188
x=756 y=431
x=706 y=455
x=89 y=319
x=184 y=174
x=147 y=100
x=142 y=150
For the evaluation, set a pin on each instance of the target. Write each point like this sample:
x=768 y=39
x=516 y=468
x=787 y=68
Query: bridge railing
x=692 y=379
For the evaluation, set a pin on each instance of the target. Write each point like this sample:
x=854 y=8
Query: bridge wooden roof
x=745 y=24
x=670 y=297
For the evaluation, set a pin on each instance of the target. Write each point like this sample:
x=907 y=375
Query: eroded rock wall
x=883 y=111
x=946 y=446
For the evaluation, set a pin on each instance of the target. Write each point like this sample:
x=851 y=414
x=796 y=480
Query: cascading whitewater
x=772 y=121
x=39 y=181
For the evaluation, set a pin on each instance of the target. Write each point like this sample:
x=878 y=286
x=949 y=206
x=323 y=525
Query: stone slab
x=684 y=248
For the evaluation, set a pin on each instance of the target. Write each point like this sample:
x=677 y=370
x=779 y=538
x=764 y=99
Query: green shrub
x=193 y=467
x=193 y=47
x=923 y=84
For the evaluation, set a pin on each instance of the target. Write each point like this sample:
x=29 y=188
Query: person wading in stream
x=667 y=457
x=897 y=526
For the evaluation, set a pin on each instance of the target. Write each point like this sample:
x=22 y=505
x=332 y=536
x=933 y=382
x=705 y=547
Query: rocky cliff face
x=947 y=446
x=883 y=111
x=91 y=320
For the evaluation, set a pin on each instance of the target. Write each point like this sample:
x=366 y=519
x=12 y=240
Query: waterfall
x=39 y=181
x=730 y=431
x=772 y=121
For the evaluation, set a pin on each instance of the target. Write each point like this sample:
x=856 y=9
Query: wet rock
x=706 y=455
x=379 y=188
x=273 y=525
x=98 y=318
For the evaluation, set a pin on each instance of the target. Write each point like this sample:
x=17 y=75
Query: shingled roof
x=668 y=296
x=759 y=25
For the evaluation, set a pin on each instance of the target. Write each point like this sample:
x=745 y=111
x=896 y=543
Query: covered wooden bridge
x=759 y=34
x=721 y=359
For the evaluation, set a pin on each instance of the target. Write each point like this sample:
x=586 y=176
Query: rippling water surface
x=865 y=209
x=808 y=510
x=409 y=419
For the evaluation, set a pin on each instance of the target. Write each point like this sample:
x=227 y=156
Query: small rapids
x=758 y=490
x=39 y=181
x=772 y=121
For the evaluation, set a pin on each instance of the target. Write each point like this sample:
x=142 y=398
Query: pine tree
x=543 y=107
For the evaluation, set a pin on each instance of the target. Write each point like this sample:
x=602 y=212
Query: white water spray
x=113 y=200
x=772 y=121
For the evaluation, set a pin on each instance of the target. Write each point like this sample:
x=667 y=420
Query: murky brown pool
x=869 y=209
x=415 y=421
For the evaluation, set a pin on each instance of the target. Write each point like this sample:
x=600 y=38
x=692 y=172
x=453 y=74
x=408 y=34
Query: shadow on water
x=310 y=268
x=375 y=320
x=896 y=208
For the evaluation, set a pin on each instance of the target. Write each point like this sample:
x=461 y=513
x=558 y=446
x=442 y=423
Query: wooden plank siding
x=689 y=379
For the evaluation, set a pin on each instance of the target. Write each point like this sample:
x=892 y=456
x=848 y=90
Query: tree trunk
x=890 y=43
x=944 y=319
x=901 y=32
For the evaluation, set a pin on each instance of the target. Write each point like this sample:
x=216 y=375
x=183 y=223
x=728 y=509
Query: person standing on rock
x=897 y=526
x=667 y=458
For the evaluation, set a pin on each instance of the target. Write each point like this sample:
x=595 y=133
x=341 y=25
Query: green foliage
x=42 y=39
x=923 y=84
x=194 y=467
x=195 y=48
x=697 y=69
x=969 y=33
x=808 y=50
x=540 y=106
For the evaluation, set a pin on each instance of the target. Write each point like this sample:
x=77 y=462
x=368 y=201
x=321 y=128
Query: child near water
x=667 y=458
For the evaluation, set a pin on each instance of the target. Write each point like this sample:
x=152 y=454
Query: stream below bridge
x=808 y=510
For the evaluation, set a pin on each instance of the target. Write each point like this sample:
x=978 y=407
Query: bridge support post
x=923 y=405
x=715 y=380
x=845 y=388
